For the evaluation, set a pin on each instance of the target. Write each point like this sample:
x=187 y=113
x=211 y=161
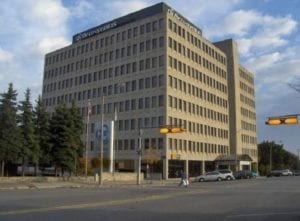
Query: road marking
x=265 y=214
x=104 y=204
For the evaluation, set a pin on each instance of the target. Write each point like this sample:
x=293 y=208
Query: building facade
x=152 y=69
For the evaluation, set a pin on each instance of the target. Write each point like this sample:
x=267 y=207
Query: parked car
x=296 y=172
x=244 y=174
x=210 y=176
x=286 y=172
x=278 y=173
x=226 y=174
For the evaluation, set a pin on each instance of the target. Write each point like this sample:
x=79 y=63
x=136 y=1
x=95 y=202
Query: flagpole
x=87 y=136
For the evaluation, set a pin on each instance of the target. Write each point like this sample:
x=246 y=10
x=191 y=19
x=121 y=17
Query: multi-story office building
x=154 y=69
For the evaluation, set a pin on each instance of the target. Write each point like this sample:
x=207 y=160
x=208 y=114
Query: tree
x=280 y=158
x=41 y=125
x=65 y=129
x=30 y=150
x=10 y=134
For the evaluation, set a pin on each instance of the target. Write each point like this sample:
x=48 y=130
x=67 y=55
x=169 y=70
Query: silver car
x=210 y=176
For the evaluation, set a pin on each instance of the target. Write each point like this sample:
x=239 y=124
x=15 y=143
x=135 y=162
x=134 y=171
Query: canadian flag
x=89 y=110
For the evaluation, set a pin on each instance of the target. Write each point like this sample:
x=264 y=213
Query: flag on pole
x=89 y=112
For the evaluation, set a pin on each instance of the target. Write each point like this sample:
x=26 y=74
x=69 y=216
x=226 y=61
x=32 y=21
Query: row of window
x=107 y=73
x=196 y=74
x=248 y=126
x=250 y=152
x=246 y=88
x=199 y=128
x=247 y=113
x=195 y=109
x=132 y=144
x=201 y=61
x=249 y=139
x=248 y=101
x=246 y=77
x=199 y=147
x=176 y=28
x=196 y=92
x=105 y=41
x=107 y=57
x=132 y=124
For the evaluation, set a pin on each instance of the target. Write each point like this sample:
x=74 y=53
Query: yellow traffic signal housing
x=275 y=121
x=166 y=130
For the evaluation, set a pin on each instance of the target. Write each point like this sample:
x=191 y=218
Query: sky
x=267 y=33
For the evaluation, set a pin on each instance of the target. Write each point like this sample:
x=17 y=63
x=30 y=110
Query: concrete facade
x=152 y=69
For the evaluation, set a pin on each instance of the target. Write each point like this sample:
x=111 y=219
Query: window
x=161 y=42
x=161 y=61
x=142 y=29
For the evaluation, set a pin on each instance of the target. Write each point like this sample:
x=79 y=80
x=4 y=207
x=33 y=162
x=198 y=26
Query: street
x=276 y=198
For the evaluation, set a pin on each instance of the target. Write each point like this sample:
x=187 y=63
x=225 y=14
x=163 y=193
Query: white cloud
x=5 y=56
x=81 y=8
x=32 y=28
x=50 y=13
x=254 y=31
x=124 y=7
x=46 y=45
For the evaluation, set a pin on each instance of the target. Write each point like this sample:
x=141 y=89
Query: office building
x=153 y=68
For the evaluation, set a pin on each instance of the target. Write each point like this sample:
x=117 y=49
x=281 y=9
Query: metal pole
x=298 y=159
x=139 y=152
x=101 y=144
x=87 y=137
x=270 y=158
x=115 y=141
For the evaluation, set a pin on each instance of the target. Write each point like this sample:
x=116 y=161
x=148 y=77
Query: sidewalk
x=76 y=184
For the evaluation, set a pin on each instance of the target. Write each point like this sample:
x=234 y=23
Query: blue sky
x=267 y=32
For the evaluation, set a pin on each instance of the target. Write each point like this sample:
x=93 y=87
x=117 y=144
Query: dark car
x=244 y=174
x=296 y=172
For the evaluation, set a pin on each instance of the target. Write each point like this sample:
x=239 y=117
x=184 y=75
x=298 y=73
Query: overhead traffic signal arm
x=287 y=120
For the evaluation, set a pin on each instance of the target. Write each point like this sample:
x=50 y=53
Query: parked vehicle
x=226 y=174
x=244 y=174
x=286 y=172
x=210 y=176
x=296 y=172
x=278 y=173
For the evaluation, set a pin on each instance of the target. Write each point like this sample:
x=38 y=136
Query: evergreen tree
x=10 y=135
x=30 y=150
x=41 y=123
x=77 y=130
x=65 y=129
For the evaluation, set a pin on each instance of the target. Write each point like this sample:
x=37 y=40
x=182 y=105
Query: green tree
x=10 y=134
x=30 y=150
x=280 y=158
x=76 y=132
x=65 y=129
x=41 y=122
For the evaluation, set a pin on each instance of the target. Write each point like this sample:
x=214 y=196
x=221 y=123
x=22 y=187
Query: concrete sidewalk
x=76 y=184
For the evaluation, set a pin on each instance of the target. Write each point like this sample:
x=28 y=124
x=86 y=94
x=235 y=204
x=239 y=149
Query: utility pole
x=298 y=165
x=270 y=158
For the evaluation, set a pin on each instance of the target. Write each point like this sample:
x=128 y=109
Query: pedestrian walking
x=184 y=179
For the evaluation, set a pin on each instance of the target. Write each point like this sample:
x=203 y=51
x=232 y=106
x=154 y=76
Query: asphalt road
x=271 y=199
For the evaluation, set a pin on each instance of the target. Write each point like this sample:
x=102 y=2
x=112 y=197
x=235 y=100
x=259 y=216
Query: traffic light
x=166 y=130
x=275 y=121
